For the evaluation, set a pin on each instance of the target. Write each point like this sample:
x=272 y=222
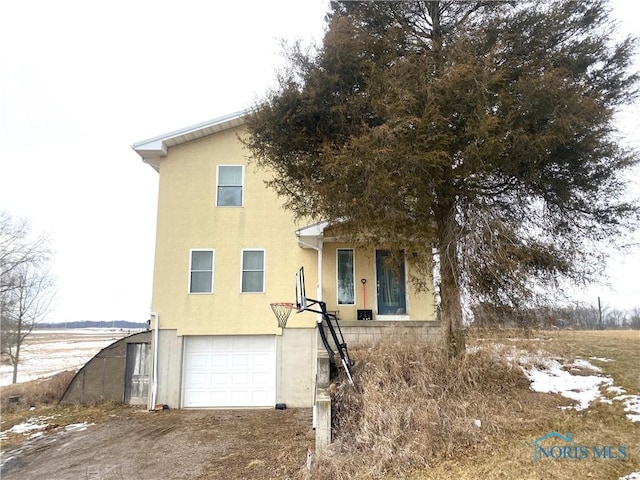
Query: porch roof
x=309 y=236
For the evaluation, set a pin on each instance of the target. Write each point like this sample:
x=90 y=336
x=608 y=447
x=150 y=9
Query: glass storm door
x=391 y=283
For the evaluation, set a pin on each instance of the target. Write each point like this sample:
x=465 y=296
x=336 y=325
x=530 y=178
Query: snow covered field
x=50 y=351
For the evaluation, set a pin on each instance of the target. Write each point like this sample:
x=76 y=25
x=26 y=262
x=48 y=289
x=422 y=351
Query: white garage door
x=230 y=371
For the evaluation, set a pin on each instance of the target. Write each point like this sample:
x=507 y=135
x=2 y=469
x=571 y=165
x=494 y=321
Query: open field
x=510 y=454
x=46 y=352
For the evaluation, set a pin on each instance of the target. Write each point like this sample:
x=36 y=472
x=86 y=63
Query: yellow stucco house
x=225 y=249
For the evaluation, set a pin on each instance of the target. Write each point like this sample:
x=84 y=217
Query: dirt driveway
x=171 y=444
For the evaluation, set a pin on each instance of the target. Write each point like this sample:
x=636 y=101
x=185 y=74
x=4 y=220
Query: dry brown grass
x=510 y=454
x=413 y=407
x=413 y=411
x=39 y=398
x=45 y=391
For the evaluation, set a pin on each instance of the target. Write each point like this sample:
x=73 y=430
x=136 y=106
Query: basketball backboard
x=301 y=294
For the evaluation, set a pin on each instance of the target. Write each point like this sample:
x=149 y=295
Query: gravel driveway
x=171 y=444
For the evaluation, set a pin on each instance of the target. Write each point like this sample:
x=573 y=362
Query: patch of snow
x=616 y=390
x=553 y=378
x=600 y=359
x=77 y=427
x=549 y=375
x=35 y=423
x=524 y=358
x=579 y=363
x=631 y=476
x=631 y=406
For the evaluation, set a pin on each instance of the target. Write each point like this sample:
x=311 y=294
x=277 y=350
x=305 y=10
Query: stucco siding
x=188 y=218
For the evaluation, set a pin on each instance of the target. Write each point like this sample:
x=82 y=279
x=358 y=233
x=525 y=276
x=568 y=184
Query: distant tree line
x=95 y=324
x=575 y=317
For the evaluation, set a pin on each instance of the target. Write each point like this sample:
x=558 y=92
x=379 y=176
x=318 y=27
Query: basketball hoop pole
x=340 y=344
x=305 y=304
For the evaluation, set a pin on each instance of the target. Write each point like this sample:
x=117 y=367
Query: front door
x=390 y=283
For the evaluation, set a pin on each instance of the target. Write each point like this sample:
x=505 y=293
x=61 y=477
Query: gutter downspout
x=318 y=249
x=154 y=387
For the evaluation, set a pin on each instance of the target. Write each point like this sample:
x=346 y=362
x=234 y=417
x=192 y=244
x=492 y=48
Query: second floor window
x=201 y=271
x=230 y=180
x=253 y=271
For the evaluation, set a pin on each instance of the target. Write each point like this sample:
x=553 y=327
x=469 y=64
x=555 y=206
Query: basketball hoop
x=282 y=310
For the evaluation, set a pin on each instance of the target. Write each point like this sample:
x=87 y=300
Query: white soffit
x=152 y=149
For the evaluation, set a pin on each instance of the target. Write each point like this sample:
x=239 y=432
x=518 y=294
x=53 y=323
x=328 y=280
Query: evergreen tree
x=481 y=130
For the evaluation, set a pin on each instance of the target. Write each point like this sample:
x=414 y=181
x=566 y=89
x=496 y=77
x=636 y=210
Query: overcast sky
x=81 y=81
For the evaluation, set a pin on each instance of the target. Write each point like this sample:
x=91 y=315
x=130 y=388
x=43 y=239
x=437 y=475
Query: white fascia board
x=310 y=234
x=152 y=149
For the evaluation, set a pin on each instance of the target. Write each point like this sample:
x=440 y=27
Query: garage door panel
x=260 y=396
x=195 y=396
x=220 y=360
x=242 y=343
x=199 y=344
x=261 y=360
x=198 y=361
x=219 y=379
x=198 y=380
x=240 y=378
x=218 y=397
x=239 y=398
x=229 y=371
x=221 y=343
x=261 y=378
x=240 y=360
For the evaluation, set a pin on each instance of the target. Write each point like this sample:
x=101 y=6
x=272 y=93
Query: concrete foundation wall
x=169 y=369
x=323 y=403
x=367 y=332
x=296 y=367
x=102 y=379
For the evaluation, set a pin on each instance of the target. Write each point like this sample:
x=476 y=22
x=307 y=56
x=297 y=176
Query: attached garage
x=229 y=371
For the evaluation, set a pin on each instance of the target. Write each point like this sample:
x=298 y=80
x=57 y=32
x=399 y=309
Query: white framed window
x=201 y=263
x=345 y=276
x=230 y=186
x=252 y=278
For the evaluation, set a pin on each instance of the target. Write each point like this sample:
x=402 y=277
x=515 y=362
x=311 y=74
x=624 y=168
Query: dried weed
x=412 y=406
x=44 y=391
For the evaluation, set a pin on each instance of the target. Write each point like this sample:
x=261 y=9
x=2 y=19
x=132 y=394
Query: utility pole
x=599 y=315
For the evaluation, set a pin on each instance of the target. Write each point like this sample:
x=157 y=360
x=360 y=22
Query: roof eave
x=311 y=233
x=152 y=149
